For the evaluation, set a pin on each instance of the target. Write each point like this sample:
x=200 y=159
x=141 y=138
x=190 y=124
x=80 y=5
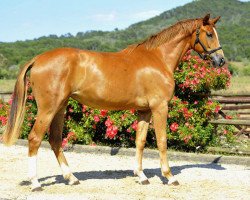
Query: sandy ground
x=110 y=177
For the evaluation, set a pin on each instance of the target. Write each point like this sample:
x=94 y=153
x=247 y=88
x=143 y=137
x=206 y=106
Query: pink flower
x=134 y=125
x=108 y=122
x=96 y=118
x=123 y=117
x=84 y=108
x=175 y=98
x=71 y=110
x=128 y=130
x=195 y=66
x=111 y=131
x=187 y=138
x=196 y=102
x=229 y=117
x=103 y=113
x=132 y=111
x=70 y=134
x=225 y=132
x=217 y=109
x=30 y=97
x=3 y=120
x=10 y=101
x=174 y=127
x=209 y=102
x=64 y=142
x=186 y=113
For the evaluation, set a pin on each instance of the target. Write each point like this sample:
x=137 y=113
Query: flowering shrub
x=198 y=76
x=189 y=113
x=188 y=123
x=3 y=113
x=100 y=126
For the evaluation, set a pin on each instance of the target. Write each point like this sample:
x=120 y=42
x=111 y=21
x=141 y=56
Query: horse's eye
x=210 y=35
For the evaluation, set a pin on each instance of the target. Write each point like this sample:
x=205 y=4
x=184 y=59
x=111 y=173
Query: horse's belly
x=111 y=101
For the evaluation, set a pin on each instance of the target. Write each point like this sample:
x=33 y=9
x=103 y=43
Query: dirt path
x=110 y=177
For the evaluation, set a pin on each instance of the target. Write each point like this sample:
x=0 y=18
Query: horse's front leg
x=160 y=113
x=141 y=135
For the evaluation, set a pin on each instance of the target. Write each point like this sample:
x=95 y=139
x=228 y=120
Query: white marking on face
x=217 y=38
x=32 y=167
x=216 y=35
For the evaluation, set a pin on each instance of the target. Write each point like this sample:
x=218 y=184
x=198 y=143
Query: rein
x=207 y=53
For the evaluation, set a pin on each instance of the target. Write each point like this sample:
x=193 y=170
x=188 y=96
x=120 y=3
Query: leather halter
x=207 y=53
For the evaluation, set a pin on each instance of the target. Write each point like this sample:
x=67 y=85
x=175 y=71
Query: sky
x=29 y=19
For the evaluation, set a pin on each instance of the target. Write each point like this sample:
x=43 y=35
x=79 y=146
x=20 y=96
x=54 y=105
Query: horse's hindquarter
x=119 y=80
x=51 y=75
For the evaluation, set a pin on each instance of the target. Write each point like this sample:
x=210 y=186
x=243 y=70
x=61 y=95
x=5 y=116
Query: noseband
x=207 y=53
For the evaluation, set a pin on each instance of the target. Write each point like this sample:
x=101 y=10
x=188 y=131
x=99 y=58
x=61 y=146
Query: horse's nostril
x=222 y=61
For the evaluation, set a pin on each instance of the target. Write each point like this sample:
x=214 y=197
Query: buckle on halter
x=197 y=31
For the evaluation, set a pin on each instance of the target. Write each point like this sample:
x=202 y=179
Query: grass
x=239 y=85
x=7 y=85
x=240 y=68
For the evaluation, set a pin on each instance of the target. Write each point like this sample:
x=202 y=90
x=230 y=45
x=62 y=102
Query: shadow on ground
x=120 y=174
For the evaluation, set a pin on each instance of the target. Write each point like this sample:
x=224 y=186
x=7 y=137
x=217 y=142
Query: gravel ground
x=110 y=177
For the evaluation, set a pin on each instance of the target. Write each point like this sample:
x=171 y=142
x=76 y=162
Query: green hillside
x=233 y=30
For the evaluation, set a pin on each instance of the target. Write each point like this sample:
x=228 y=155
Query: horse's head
x=205 y=41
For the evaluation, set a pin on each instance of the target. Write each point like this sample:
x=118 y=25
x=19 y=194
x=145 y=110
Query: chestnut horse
x=138 y=77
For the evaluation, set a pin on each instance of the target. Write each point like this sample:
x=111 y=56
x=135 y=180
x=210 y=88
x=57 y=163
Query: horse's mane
x=186 y=26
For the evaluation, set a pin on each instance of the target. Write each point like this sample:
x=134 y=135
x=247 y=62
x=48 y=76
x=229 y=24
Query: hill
x=233 y=30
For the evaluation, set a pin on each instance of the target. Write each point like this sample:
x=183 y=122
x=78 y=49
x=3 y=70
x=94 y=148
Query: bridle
x=207 y=53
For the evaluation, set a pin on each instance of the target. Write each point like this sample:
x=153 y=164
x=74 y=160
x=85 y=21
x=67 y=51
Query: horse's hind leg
x=141 y=134
x=55 y=140
x=44 y=118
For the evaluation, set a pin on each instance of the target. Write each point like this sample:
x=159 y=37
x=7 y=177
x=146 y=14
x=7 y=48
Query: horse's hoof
x=37 y=189
x=145 y=182
x=175 y=183
x=74 y=182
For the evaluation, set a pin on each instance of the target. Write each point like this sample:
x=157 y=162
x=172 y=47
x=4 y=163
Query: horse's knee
x=162 y=144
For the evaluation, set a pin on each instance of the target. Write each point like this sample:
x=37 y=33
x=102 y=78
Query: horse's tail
x=17 y=110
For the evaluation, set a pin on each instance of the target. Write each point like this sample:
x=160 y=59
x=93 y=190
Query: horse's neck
x=174 y=50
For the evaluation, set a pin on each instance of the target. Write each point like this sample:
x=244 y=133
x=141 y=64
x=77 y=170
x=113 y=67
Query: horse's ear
x=215 y=20
x=206 y=20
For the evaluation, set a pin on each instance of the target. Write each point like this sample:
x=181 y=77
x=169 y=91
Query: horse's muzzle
x=218 y=60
